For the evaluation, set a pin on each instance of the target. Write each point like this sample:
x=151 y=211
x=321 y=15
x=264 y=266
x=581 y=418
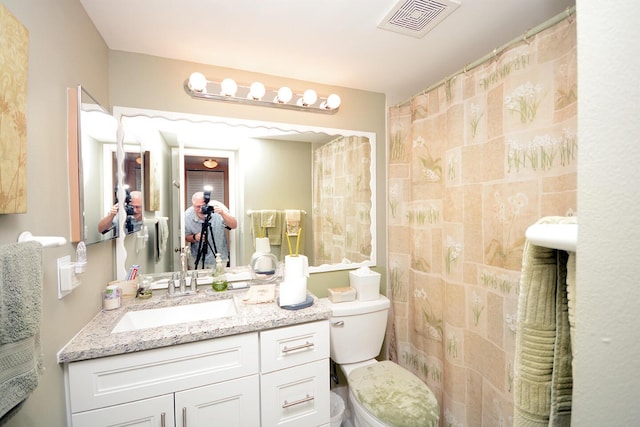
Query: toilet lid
x=394 y=395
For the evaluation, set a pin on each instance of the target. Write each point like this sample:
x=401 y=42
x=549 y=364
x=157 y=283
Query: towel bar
x=554 y=236
x=249 y=212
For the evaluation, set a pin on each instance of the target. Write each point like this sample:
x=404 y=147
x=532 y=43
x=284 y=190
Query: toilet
x=380 y=393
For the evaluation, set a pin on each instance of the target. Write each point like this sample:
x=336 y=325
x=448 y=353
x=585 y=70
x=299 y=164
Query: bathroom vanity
x=259 y=366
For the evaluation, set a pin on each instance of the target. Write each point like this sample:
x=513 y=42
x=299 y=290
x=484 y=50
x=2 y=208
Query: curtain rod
x=498 y=51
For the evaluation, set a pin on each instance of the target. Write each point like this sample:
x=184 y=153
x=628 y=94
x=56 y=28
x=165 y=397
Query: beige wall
x=65 y=50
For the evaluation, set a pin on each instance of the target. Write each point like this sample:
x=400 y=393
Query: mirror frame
x=126 y=112
x=75 y=97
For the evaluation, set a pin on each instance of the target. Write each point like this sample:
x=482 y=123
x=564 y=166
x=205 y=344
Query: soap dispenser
x=219 y=279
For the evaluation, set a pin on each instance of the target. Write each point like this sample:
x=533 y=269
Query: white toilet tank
x=357 y=329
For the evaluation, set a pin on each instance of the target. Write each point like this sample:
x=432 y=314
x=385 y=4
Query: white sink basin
x=155 y=317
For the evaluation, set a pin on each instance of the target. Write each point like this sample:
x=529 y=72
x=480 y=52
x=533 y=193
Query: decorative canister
x=111 y=297
x=263 y=264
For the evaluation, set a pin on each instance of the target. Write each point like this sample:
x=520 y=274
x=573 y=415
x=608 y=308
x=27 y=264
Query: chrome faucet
x=178 y=283
x=183 y=271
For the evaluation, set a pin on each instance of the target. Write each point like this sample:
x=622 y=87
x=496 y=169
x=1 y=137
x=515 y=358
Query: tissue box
x=366 y=283
x=342 y=294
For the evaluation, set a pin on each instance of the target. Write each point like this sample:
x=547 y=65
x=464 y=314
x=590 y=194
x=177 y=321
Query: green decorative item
x=219 y=279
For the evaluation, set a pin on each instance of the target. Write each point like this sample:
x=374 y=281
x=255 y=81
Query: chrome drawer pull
x=298 y=347
x=162 y=419
x=297 y=402
x=338 y=323
x=184 y=417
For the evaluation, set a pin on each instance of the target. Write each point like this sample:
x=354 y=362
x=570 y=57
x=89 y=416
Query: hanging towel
x=21 y=362
x=543 y=368
x=274 y=233
x=162 y=233
x=267 y=218
x=571 y=296
x=294 y=221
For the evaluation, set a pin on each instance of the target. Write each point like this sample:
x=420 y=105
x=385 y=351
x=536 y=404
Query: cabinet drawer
x=124 y=378
x=294 y=345
x=297 y=396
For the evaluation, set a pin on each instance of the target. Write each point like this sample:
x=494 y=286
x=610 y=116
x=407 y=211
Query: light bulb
x=284 y=95
x=333 y=101
x=309 y=97
x=256 y=91
x=198 y=82
x=228 y=87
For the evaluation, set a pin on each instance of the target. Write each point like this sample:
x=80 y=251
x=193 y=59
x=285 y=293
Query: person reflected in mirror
x=133 y=223
x=220 y=222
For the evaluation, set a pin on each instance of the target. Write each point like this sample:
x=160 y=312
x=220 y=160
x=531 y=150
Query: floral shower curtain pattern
x=341 y=179
x=472 y=164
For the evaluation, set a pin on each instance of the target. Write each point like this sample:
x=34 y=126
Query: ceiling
x=333 y=42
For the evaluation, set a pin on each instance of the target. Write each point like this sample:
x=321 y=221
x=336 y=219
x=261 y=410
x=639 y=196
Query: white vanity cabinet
x=277 y=377
x=294 y=375
x=198 y=382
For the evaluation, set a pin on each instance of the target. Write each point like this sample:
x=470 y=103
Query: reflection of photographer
x=133 y=209
x=205 y=226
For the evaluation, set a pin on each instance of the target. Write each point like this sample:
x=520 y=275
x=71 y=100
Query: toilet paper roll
x=293 y=291
x=262 y=244
x=296 y=266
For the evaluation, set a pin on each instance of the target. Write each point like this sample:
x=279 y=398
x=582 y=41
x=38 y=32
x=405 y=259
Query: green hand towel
x=20 y=317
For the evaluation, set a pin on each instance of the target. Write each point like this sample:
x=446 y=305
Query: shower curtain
x=472 y=163
x=341 y=181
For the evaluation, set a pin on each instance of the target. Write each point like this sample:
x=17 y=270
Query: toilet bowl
x=380 y=393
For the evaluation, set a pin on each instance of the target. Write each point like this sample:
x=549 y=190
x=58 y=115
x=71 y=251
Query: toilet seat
x=394 y=395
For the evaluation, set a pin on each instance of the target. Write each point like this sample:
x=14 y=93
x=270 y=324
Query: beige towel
x=274 y=233
x=21 y=361
x=294 y=220
x=260 y=294
x=543 y=373
x=267 y=218
x=571 y=296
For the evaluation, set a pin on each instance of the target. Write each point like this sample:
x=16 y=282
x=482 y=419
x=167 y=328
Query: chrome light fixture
x=227 y=90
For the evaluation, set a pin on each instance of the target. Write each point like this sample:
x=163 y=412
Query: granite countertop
x=96 y=340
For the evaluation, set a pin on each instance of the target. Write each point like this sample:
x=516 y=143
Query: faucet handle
x=193 y=285
x=171 y=287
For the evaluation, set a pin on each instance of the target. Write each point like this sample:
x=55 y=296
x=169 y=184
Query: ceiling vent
x=417 y=17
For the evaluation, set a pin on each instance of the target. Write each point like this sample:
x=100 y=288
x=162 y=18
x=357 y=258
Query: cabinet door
x=153 y=412
x=297 y=396
x=234 y=403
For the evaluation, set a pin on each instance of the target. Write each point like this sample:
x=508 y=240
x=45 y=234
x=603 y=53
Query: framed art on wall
x=14 y=54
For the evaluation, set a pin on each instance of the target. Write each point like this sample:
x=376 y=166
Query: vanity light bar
x=199 y=87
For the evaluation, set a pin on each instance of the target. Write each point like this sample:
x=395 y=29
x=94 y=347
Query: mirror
x=93 y=170
x=91 y=128
x=326 y=174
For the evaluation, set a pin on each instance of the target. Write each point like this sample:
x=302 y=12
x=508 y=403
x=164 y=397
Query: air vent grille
x=417 y=17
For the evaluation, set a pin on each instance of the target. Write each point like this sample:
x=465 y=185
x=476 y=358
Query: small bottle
x=219 y=280
x=144 y=288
